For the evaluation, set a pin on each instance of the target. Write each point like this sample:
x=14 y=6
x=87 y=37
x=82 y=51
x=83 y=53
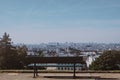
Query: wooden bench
x=60 y=60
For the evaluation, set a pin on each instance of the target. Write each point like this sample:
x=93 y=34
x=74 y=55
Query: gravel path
x=60 y=76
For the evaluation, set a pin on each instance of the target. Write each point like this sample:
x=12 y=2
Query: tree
x=5 y=49
x=109 y=60
x=9 y=56
x=22 y=52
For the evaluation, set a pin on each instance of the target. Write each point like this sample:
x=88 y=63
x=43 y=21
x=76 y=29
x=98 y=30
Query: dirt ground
x=60 y=76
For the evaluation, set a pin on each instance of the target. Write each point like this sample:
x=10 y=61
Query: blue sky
x=36 y=21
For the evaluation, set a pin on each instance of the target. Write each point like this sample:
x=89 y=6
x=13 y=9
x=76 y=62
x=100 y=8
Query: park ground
x=60 y=76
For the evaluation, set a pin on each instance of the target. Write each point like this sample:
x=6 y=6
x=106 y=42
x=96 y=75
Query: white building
x=90 y=59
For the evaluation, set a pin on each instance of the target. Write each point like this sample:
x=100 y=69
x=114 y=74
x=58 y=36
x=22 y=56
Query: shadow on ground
x=80 y=77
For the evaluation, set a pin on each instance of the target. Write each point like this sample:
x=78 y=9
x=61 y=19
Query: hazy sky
x=36 y=21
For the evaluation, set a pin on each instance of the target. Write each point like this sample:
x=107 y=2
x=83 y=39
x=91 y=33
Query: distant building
x=31 y=53
x=90 y=59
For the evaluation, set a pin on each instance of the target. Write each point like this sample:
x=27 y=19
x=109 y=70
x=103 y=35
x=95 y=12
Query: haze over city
x=37 y=21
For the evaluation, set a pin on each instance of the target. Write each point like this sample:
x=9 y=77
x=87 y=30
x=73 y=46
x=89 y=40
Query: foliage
x=11 y=57
x=21 y=52
x=109 y=60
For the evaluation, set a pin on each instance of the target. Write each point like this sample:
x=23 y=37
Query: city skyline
x=37 y=21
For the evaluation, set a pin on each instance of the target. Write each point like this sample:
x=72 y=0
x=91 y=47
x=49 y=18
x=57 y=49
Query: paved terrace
x=60 y=76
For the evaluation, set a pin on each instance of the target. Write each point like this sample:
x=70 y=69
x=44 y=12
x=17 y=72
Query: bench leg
x=34 y=74
x=37 y=71
x=74 y=76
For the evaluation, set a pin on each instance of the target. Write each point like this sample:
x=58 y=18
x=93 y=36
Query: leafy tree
x=5 y=49
x=10 y=58
x=109 y=60
x=22 y=52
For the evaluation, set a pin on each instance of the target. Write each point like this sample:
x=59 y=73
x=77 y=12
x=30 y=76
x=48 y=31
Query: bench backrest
x=36 y=59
